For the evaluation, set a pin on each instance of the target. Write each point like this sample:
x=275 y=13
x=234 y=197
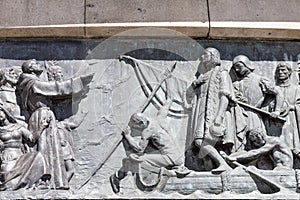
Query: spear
x=165 y=74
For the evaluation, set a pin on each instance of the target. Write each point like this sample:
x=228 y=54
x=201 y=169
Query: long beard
x=206 y=65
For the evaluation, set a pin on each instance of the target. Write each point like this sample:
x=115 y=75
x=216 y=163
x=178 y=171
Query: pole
x=166 y=74
x=260 y=111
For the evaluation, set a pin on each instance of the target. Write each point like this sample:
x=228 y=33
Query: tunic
x=206 y=104
x=36 y=96
x=19 y=168
x=290 y=130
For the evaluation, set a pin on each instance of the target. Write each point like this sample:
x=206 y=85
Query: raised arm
x=58 y=89
x=270 y=88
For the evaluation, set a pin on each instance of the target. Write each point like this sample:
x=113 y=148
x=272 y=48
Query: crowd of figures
x=35 y=141
x=237 y=116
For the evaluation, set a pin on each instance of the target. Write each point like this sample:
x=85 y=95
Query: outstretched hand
x=126 y=59
x=87 y=78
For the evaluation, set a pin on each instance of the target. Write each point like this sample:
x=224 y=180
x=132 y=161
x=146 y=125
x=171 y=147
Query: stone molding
x=255 y=30
x=213 y=19
x=217 y=30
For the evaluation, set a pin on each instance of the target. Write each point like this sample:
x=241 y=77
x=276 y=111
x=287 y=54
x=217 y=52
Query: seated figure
x=19 y=167
x=261 y=145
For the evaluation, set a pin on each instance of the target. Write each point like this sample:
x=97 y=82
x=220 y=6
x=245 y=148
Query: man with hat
x=256 y=91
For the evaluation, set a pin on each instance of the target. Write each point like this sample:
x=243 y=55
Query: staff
x=259 y=110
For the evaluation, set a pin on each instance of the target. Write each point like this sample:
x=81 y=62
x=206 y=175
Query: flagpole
x=166 y=74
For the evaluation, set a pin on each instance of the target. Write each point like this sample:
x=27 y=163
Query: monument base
x=237 y=180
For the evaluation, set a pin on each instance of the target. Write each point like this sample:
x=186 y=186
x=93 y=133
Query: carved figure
x=8 y=81
x=54 y=72
x=290 y=130
x=153 y=133
x=19 y=167
x=60 y=107
x=65 y=129
x=36 y=97
x=265 y=145
x=211 y=93
x=253 y=90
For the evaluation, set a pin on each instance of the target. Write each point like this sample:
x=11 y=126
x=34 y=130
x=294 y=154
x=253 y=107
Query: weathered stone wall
x=270 y=19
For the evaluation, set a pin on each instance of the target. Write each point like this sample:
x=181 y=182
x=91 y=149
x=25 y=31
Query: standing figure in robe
x=253 y=89
x=36 y=97
x=290 y=130
x=211 y=124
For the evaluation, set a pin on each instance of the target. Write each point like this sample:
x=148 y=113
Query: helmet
x=243 y=59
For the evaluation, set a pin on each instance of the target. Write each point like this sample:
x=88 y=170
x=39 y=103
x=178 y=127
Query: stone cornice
x=216 y=30
x=213 y=19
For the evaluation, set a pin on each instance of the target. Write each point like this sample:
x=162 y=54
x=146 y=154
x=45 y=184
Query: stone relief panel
x=171 y=118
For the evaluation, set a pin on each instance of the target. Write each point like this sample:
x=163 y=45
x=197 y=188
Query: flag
x=174 y=87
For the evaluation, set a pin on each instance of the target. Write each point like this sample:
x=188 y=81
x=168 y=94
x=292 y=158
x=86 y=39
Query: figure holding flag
x=153 y=133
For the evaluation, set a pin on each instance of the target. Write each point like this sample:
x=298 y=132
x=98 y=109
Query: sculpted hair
x=254 y=133
x=287 y=66
x=140 y=119
x=214 y=55
x=26 y=66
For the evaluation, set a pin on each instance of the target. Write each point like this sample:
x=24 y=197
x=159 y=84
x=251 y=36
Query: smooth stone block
x=254 y=10
x=41 y=12
x=118 y=11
